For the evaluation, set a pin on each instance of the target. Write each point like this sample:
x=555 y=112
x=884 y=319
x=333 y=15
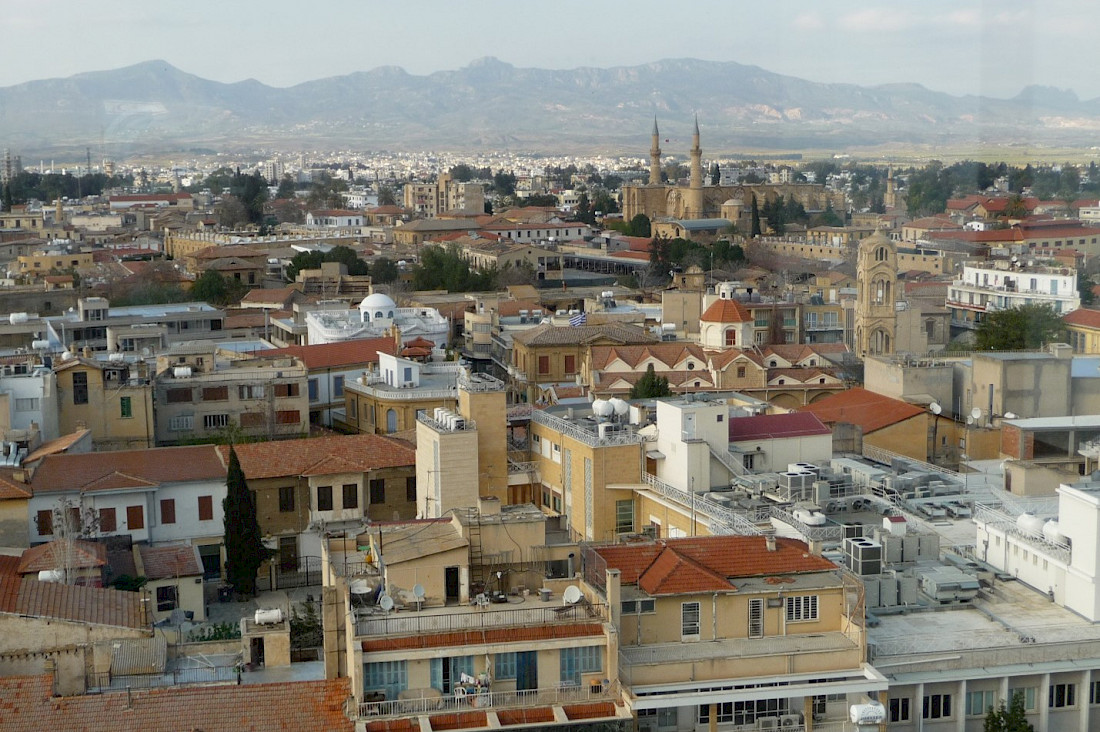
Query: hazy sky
x=990 y=47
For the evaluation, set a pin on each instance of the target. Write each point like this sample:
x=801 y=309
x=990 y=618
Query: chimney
x=769 y=542
x=488 y=505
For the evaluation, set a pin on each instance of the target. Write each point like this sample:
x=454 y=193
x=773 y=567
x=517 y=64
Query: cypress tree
x=244 y=548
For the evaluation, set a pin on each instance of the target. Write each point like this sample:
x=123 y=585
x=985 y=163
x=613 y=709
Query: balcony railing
x=625 y=436
x=426 y=622
x=564 y=693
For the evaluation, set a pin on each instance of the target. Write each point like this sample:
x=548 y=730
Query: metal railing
x=562 y=694
x=730 y=461
x=990 y=516
x=424 y=622
x=305 y=572
x=398 y=393
x=106 y=681
x=516 y=466
x=465 y=425
x=720 y=516
x=886 y=457
x=624 y=436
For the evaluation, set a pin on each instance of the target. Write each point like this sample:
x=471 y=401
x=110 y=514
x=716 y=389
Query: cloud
x=877 y=20
x=808 y=22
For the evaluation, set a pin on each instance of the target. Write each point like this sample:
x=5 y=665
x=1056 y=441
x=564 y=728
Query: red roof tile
x=770 y=426
x=868 y=410
x=729 y=557
x=1083 y=317
x=9 y=583
x=340 y=354
x=57 y=473
x=673 y=573
x=85 y=555
x=301 y=457
x=171 y=560
x=79 y=603
x=29 y=706
x=726 y=311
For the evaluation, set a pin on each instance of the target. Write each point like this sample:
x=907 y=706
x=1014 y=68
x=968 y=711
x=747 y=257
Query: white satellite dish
x=1011 y=415
x=418 y=591
x=976 y=413
x=970 y=420
x=572 y=595
x=935 y=408
x=385 y=602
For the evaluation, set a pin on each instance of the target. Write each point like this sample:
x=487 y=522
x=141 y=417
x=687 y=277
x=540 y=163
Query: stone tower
x=890 y=200
x=655 y=157
x=876 y=313
x=693 y=199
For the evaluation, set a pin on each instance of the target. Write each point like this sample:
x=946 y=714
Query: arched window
x=880 y=254
x=391 y=421
x=378 y=314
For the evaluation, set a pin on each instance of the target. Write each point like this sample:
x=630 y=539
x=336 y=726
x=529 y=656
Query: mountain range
x=492 y=105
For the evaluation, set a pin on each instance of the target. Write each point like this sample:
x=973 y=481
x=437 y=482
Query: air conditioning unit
x=767 y=723
x=788 y=721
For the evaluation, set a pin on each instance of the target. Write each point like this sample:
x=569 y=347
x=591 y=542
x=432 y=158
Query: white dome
x=377 y=301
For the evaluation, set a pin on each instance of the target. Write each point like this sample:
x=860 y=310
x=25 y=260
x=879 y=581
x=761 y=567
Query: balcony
x=573 y=702
x=457 y=619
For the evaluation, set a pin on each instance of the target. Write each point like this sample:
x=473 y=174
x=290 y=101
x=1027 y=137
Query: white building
x=994 y=286
x=31 y=398
x=376 y=317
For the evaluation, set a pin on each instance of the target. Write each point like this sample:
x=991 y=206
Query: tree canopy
x=314 y=259
x=650 y=386
x=244 y=548
x=1012 y=718
x=1022 y=328
x=216 y=289
x=445 y=269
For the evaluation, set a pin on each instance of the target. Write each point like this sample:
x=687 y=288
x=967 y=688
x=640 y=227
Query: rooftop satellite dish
x=602 y=408
x=385 y=602
x=970 y=420
x=935 y=408
x=976 y=413
x=1011 y=415
x=418 y=591
x=572 y=595
x=619 y=405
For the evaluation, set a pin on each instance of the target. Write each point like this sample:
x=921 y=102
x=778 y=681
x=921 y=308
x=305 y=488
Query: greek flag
x=578 y=319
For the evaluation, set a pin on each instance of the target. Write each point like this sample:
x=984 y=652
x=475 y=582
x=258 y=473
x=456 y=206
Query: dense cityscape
x=673 y=437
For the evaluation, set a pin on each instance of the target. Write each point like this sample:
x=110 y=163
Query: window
x=314 y=390
x=286 y=498
x=570 y=364
x=544 y=364
x=80 y=388
x=107 y=520
x=167 y=511
x=166 y=598
x=135 y=517
x=251 y=419
x=324 y=498
x=801 y=607
x=125 y=408
x=181 y=424
x=744 y=712
x=979 y=702
x=353 y=409
x=937 y=706
x=756 y=618
x=389 y=677
x=351 y=495
x=731 y=336
x=206 y=508
x=29 y=404
x=689 y=621
x=338 y=385
x=215 y=394
x=1094 y=693
x=740 y=372
x=624 y=516
x=504 y=666
x=1062 y=696
x=215 y=421
x=250 y=392
x=288 y=416
x=631 y=607
x=577 y=661
x=377 y=492
x=44 y=520
x=178 y=396
x=410 y=490
x=286 y=390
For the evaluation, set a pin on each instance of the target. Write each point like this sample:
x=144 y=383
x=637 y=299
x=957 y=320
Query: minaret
x=696 y=158
x=890 y=200
x=655 y=157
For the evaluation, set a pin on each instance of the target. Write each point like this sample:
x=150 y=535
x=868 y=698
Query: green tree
x=231 y=212
x=216 y=289
x=829 y=217
x=8 y=199
x=387 y=196
x=640 y=225
x=650 y=386
x=445 y=269
x=504 y=184
x=1084 y=289
x=1012 y=718
x=1025 y=327
x=755 y=218
x=286 y=187
x=715 y=174
x=244 y=547
x=384 y=270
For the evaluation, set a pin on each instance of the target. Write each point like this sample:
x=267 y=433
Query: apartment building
x=201 y=392
x=993 y=286
x=389 y=399
x=113 y=399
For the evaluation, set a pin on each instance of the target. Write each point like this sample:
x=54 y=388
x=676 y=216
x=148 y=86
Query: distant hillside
x=491 y=104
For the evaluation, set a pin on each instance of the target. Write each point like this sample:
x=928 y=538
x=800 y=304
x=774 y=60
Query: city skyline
x=988 y=49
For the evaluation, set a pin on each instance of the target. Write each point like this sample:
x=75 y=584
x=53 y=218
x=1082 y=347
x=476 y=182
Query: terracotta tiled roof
x=301 y=457
x=61 y=444
x=57 y=473
x=274 y=296
x=670 y=354
x=9 y=583
x=868 y=410
x=673 y=573
x=30 y=706
x=170 y=560
x=628 y=254
x=592 y=710
x=85 y=555
x=726 y=311
x=79 y=603
x=490 y=636
x=729 y=557
x=236 y=250
x=339 y=354
x=720 y=359
x=768 y=426
x=547 y=334
x=1083 y=317
x=11 y=489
